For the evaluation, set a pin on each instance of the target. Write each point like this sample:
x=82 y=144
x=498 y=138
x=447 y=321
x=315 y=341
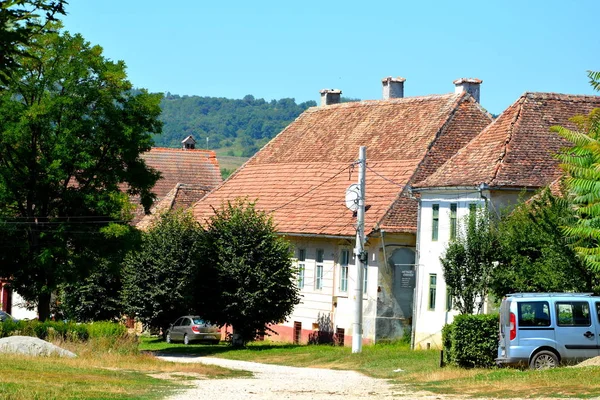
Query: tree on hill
x=241 y=126
x=72 y=135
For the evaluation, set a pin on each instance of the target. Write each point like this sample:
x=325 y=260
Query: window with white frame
x=301 y=267
x=432 y=290
x=344 y=261
x=319 y=270
x=435 y=222
x=453 y=222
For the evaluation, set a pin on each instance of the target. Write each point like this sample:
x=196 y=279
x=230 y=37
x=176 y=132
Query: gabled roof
x=182 y=196
x=301 y=175
x=198 y=168
x=517 y=149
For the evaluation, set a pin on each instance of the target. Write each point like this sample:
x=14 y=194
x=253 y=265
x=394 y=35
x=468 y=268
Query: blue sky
x=277 y=49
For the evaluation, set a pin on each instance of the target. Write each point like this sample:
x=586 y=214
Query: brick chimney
x=330 y=96
x=469 y=85
x=393 y=88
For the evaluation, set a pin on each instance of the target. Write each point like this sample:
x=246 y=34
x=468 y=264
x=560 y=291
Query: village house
x=187 y=175
x=301 y=177
x=509 y=160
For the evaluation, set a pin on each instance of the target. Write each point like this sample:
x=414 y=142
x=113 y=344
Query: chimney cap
x=467 y=80
x=390 y=79
x=332 y=91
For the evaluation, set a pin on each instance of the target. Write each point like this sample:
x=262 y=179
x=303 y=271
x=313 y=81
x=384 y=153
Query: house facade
x=508 y=161
x=301 y=177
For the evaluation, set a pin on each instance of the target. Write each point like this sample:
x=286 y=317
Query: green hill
x=233 y=127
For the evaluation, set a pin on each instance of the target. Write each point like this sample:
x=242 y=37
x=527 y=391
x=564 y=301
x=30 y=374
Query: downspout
x=416 y=291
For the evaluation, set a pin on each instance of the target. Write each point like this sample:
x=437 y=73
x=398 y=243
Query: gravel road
x=272 y=382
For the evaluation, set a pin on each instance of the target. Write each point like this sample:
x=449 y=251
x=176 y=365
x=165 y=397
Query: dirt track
x=272 y=382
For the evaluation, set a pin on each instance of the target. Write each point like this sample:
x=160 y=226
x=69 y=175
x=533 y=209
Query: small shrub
x=471 y=341
x=106 y=329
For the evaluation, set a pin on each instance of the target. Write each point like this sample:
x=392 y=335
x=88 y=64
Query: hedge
x=471 y=341
x=62 y=330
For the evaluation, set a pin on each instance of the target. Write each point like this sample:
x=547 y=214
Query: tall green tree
x=468 y=262
x=246 y=273
x=20 y=20
x=581 y=164
x=158 y=277
x=533 y=253
x=72 y=135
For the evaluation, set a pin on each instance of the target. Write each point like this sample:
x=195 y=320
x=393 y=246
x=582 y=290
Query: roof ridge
x=560 y=96
x=378 y=102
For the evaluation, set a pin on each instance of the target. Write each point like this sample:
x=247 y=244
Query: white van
x=544 y=329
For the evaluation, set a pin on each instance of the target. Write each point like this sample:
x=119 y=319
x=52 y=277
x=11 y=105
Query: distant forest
x=234 y=127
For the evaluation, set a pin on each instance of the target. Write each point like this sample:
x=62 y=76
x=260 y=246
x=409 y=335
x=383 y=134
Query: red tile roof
x=517 y=149
x=302 y=174
x=182 y=196
x=198 y=168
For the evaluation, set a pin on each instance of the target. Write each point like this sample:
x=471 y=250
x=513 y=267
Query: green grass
x=52 y=378
x=104 y=369
x=420 y=369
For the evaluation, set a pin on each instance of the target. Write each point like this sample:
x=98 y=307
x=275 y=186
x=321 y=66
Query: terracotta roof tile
x=182 y=196
x=302 y=174
x=517 y=149
x=198 y=168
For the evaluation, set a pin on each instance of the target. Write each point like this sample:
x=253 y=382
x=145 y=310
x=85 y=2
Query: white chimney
x=393 y=88
x=330 y=96
x=469 y=85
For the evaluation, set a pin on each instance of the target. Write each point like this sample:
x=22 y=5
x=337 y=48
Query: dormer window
x=188 y=143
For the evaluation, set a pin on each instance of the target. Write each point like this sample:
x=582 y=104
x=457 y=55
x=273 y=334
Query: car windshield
x=198 y=321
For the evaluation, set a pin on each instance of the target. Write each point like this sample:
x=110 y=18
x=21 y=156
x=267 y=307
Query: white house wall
x=331 y=301
x=430 y=321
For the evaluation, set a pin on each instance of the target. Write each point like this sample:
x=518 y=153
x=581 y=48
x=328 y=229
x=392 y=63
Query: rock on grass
x=32 y=346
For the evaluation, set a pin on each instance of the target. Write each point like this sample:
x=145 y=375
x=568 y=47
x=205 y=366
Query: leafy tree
x=78 y=301
x=533 y=253
x=581 y=165
x=158 y=277
x=468 y=262
x=71 y=139
x=246 y=272
x=19 y=21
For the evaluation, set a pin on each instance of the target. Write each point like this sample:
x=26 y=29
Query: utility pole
x=360 y=254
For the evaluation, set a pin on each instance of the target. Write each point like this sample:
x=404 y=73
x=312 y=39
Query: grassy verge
x=419 y=369
x=99 y=372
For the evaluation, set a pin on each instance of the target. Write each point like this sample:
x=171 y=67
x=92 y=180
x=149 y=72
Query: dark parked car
x=6 y=316
x=190 y=328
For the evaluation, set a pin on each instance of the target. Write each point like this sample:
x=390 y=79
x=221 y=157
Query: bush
x=65 y=331
x=471 y=341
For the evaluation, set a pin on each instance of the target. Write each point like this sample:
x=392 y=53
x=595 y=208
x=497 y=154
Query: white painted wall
x=429 y=322
x=20 y=308
x=330 y=300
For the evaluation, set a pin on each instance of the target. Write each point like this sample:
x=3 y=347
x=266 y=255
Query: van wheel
x=544 y=359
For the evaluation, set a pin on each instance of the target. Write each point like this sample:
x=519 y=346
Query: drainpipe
x=417 y=273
